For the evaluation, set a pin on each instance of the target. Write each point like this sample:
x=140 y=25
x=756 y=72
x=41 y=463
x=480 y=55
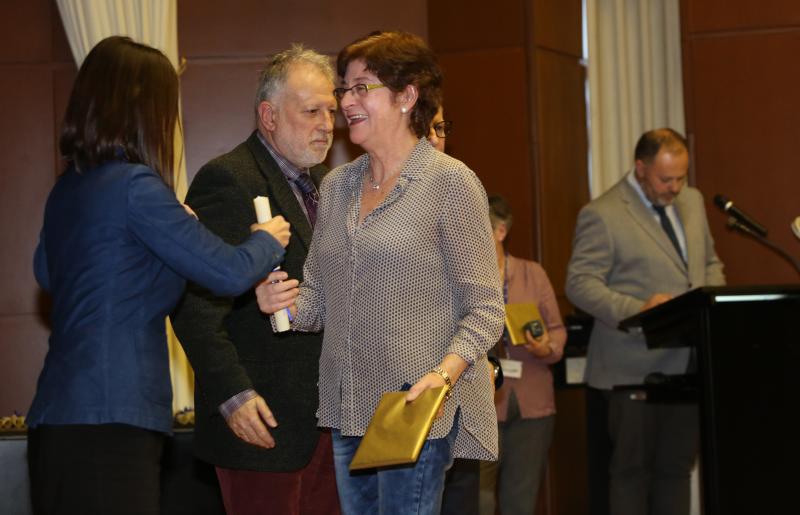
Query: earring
x=403 y=110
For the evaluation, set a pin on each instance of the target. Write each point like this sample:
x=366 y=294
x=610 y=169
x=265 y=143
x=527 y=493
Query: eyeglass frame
x=443 y=128
x=339 y=93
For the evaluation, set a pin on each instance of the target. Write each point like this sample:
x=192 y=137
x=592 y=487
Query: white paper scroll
x=264 y=214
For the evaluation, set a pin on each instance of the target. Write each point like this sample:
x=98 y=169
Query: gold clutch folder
x=520 y=315
x=398 y=429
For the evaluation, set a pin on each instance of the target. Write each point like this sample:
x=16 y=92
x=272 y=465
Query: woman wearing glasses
x=440 y=129
x=401 y=276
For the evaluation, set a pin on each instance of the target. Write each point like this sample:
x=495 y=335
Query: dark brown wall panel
x=29 y=21
x=557 y=25
x=217 y=100
x=745 y=131
x=562 y=156
x=567 y=465
x=27 y=176
x=491 y=129
x=33 y=56
x=476 y=24
x=735 y=15
x=23 y=346
x=209 y=28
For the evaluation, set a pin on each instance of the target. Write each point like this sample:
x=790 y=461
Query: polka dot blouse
x=417 y=279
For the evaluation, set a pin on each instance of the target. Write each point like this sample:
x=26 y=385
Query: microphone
x=727 y=206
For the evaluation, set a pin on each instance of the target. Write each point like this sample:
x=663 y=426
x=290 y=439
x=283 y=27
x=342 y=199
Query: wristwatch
x=498 y=372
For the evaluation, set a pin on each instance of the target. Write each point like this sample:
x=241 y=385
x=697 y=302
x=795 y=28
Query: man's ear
x=267 y=114
x=640 y=168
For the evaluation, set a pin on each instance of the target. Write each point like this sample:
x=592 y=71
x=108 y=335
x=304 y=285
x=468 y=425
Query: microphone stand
x=735 y=224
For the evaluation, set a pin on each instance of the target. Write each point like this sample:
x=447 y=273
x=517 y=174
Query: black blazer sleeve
x=224 y=207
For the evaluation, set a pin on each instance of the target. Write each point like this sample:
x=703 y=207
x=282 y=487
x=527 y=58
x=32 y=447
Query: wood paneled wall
x=36 y=74
x=514 y=86
x=742 y=111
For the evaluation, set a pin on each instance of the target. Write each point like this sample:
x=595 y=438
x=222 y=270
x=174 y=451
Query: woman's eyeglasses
x=359 y=90
x=443 y=128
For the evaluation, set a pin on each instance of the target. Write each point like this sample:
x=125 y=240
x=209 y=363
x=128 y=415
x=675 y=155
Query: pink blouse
x=528 y=283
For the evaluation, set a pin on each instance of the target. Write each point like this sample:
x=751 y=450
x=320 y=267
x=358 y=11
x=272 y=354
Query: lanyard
x=506 y=338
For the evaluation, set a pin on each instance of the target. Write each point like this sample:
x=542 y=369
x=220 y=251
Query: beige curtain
x=635 y=80
x=155 y=23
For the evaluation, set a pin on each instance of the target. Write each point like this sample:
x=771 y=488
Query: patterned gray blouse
x=416 y=280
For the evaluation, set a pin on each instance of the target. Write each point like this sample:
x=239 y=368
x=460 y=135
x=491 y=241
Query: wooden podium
x=747 y=344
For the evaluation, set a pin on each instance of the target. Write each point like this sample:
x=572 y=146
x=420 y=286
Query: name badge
x=511 y=368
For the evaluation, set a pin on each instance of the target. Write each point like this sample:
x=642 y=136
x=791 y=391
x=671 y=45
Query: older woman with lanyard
x=400 y=274
x=525 y=402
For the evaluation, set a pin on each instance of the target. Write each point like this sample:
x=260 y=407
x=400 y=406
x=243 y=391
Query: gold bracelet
x=447 y=381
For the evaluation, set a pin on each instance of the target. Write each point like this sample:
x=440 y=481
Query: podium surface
x=747 y=344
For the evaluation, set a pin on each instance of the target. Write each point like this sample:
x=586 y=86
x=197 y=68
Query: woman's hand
x=277 y=227
x=276 y=292
x=453 y=365
x=539 y=347
x=428 y=381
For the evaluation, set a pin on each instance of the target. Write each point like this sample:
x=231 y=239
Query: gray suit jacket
x=229 y=342
x=621 y=256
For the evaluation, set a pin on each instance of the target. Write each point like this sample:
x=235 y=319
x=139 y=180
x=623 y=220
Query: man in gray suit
x=256 y=391
x=638 y=245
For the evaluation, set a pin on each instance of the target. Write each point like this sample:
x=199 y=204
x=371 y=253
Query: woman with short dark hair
x=401 y=275
x=114 y=253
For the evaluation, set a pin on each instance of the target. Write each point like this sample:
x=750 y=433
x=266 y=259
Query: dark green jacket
x=229 y=342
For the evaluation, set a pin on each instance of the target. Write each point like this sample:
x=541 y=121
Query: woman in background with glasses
x=401 y=276
x=462 y=481
x=440 y=129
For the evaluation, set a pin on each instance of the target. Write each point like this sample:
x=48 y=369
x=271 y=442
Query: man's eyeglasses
x=443 y=128
x=359 y=90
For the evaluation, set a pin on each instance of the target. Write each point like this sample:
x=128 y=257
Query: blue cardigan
x=115 y=252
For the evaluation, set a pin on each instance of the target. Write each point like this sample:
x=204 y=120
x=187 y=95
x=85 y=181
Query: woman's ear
x=408 y=97
x=500 y=231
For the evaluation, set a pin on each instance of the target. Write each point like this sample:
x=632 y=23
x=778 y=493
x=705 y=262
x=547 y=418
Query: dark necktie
x=691 y=366
x=666 y=224
x=310 y=196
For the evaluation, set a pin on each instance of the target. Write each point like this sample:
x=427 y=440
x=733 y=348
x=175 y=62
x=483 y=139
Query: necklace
x=374 y=185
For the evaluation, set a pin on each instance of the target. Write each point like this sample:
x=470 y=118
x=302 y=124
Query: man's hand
x=250 y=422
x=189 y=211
x=276 y=292
x=655 y=300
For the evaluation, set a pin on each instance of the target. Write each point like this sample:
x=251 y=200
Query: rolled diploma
x=263 y=214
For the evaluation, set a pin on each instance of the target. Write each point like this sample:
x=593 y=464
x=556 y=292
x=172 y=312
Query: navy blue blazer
x=114 y=253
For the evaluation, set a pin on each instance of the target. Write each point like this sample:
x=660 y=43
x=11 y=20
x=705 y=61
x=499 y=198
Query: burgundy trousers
x=308 y=491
